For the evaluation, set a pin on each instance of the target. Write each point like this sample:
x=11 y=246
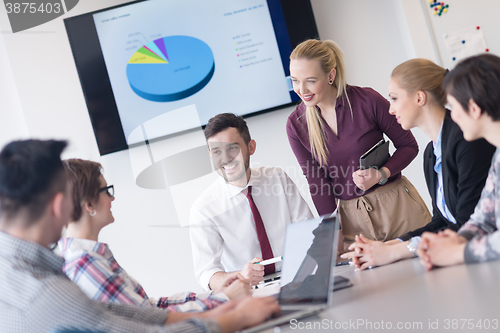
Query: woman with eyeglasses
x=91 y=265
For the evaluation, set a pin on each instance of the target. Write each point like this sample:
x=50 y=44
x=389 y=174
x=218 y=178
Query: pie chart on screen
x=170 y=68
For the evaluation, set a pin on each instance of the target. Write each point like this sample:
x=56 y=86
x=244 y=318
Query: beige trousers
x=388 y=212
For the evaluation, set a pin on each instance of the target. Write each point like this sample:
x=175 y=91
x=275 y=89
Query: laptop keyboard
x=283 y=313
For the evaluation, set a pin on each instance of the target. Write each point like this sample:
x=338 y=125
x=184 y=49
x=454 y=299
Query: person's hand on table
x=247 y=313
x=421 y=252
x=235 y=287
x=252 y=272
x=234 y=315
x=256 y=310
x=219 y=310
x=354 y=254
x=367 y=253
x=446 y=248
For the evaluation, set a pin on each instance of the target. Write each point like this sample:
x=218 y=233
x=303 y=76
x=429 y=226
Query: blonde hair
x=330 y=57
x=422 y=75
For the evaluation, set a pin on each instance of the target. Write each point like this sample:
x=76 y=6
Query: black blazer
x=465 y=167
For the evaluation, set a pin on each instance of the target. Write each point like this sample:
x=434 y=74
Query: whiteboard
x=463 y=14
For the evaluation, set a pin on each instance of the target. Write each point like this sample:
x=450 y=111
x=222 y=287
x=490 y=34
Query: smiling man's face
x=231 y=156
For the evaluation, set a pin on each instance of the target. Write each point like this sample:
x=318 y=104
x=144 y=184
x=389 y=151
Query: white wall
x=461 y=16
x=41 y=97
x=12 y=121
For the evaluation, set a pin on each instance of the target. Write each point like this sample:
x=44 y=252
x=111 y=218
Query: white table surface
x=403 y=297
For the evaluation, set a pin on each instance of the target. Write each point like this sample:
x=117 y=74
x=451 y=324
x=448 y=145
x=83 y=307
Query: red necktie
x=265 y=246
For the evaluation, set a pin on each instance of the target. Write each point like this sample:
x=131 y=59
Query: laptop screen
x=308 y=260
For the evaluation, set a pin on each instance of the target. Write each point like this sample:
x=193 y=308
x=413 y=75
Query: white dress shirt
x=222 y=228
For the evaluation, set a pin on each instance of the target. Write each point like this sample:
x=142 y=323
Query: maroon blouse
x=356 y=134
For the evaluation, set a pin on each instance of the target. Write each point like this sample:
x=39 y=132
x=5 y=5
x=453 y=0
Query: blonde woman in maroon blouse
x=334 y=125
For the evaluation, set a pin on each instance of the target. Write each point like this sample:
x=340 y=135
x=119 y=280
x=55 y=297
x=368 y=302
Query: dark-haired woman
x=473 y=92
x=91 y=264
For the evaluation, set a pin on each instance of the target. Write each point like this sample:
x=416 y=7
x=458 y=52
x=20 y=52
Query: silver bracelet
x=413 y=244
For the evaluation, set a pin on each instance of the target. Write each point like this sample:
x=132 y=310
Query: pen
x=270 y=261
x=343 y=263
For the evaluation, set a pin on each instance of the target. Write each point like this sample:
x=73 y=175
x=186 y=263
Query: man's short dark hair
x=31 y=173
x=224 y=121
x=476 y=78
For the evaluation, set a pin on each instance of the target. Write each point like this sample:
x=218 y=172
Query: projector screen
x=153 y=69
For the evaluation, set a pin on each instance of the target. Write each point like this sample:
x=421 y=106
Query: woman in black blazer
x=418 y=100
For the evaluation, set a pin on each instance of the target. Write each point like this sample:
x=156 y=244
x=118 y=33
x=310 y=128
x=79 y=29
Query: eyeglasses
x=110 y=190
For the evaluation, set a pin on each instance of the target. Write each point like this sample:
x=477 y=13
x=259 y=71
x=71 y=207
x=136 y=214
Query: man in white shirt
x=36 y=296
x=226 y=235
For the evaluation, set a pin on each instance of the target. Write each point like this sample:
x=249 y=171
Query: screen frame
x=285 y=299
x=96 y=85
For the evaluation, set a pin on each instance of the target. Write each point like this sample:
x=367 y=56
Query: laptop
x=306 y=283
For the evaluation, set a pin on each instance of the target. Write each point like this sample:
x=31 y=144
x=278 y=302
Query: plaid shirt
x=92 y=266
x=36 y=296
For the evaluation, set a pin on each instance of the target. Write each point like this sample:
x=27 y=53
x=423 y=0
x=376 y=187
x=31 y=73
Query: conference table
x=404 y=297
